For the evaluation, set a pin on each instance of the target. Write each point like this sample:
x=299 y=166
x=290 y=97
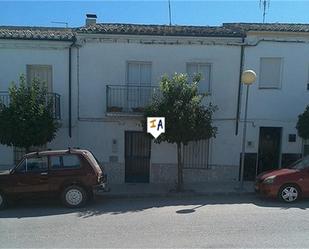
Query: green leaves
x=186 y=117
x=302 y=125
x=27 y=120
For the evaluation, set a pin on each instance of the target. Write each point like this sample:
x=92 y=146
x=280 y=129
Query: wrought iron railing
x=53 y=97
x=128 y=99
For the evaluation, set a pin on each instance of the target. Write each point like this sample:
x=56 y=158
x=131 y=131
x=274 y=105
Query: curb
x=169 y=194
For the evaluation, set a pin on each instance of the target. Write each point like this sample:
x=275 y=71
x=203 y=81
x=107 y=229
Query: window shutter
x=204 y=69
x=270 y=72
x=41 y=73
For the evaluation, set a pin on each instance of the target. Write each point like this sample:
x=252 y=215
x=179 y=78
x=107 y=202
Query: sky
x=189 y=12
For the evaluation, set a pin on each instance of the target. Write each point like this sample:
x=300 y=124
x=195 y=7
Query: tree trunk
x=179 y=171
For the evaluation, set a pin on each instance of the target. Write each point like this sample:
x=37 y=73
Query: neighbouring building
x=102 y=75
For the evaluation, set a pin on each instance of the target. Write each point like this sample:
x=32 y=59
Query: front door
x=137 y=156
x=269 y=148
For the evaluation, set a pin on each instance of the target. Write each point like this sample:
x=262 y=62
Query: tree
x=186 y=118
x=27 y=120
x=302 y=125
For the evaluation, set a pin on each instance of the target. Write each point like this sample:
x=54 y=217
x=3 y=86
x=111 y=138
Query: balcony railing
x=128 y=99
x=53 y=97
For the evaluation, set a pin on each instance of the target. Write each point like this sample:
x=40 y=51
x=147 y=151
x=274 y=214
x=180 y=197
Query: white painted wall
x=278 y=107
x=102 y=63
x=16 y=55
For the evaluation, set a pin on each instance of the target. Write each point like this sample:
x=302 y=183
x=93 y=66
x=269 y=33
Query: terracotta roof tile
x=36 y=33
x=160 y=30
x=279 y=27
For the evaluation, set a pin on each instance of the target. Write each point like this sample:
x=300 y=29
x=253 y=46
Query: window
x=43 y=73
x=64 y=162
x=139 y=73
x=200 y=68
x=35 y=164
x=195 y=154
x=270 y=73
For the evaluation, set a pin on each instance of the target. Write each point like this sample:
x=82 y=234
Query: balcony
x=53 y=97
x=127 y=99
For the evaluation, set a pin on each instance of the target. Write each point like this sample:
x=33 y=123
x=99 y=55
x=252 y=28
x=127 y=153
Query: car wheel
x=74 y=196
x=289 y=193
x=2 y=201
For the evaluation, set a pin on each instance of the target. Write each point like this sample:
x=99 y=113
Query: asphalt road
x=214 y=222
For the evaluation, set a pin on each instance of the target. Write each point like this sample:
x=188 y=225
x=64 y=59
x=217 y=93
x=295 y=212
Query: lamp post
x=247 y=78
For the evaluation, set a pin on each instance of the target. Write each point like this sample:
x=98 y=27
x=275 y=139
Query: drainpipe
x=70 y=87
x=242 y=53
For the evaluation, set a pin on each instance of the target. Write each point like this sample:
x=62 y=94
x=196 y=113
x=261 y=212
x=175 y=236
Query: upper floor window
x=200 y=68
x=139 y=73
x=43 y=73
x=270 y=73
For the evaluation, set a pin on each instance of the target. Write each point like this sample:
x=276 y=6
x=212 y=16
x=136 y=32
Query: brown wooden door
x=137 y=156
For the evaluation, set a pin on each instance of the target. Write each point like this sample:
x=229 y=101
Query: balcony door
x=138 y=84
x=43 y=73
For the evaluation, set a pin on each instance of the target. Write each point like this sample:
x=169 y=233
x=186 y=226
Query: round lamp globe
x=248 y=77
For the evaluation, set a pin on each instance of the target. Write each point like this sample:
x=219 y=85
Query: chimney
x=91 y=19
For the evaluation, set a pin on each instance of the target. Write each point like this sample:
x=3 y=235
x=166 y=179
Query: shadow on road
x=42 y=207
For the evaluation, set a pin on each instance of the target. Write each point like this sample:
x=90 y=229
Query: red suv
x=74 y=175
x=288 y=184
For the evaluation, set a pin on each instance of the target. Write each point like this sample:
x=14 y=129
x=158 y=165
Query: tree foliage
x=186 y=117
x=303 y=124
x=27 y=120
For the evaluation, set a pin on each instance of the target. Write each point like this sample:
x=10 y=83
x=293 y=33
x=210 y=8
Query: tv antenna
x=170 y=12
x=264 y=5
x=63 y=23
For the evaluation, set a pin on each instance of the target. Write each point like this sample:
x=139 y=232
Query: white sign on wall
x=155 y=126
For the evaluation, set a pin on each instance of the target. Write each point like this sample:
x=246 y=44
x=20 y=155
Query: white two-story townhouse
x=46 y=54
x=278 y=53
x=120 y=65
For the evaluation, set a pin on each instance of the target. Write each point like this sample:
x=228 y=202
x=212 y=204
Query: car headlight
x=269 y=180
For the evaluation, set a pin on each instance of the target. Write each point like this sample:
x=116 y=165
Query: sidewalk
x=133 y=190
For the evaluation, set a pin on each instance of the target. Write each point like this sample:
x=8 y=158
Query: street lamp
x=247 y=78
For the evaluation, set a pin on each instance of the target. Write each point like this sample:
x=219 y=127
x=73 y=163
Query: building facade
x=104 y=74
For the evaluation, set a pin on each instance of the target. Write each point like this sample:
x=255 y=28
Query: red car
x=288 y=184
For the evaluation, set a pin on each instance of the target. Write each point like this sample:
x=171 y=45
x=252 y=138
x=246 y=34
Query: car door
x=31 y=176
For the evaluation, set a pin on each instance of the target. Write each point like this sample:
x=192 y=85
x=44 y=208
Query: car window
x=55 y=162
x=35 y=164
x=301 y=164
x=71 y=161
x=65 y=162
